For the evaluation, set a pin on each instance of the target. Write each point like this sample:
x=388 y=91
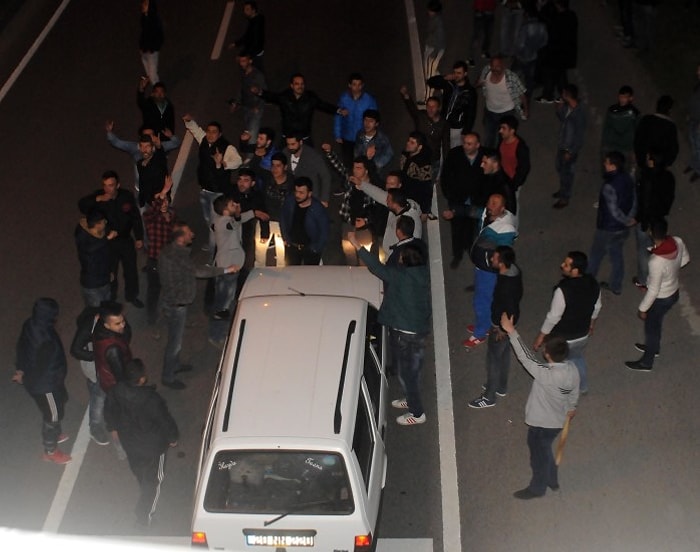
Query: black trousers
x=51 y=407
x=462 y=231
x=150 y=472
x=122 y=250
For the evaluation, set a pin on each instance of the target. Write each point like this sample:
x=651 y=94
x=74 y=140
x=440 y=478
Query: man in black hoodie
x=146 y=430
x=506 y=299
x=41 y=367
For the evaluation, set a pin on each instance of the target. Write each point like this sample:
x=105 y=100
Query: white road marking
x=688 y=312
x=416 y=56
x=223 y=29
x=182 y=155
x=32 y=50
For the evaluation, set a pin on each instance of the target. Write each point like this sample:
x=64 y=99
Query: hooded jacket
x=665 y=263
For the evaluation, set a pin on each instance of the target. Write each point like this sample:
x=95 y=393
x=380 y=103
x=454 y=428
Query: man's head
x=460 y=71
x=411 y=256
x=264 y=138
x=496 y=205
x=158 y=92
x=625 y=95
x=112 y=316
x=614 y=161
x=294 y=144
x=135 y=373
x=146 y=147
x=370 y=121
x=575 y=264
x=95 y=220
x=503 y=257
x=182 y=234
x=497 y=65
x=223 y=206
x=213 y=131
x=245 y=61
x=246 y=180
x=569 y=93
x=471 y=143
x=432 y=107
x=356 y=84
x=556 y=349
x=360 y=167
x=508 y=127
x=405 y=227
x=298 y=84
x=664 y=105
x=393 y=180
x=491 y=161
x=434 y=7
x=250 y=8
x=396 y=200
x=658 y=230
x=415 y=142
x=278 y=164
x=303 y=188
x=110 y=183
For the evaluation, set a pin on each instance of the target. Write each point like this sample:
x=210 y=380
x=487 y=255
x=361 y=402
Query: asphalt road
x=628 y=478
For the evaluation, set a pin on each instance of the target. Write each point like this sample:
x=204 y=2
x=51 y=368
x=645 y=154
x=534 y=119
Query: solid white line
x=223 y=29
x=688 y=312
x=182 y=155
x=30 y=53
x=449 y=482
x=416 y=56
x=70 y=475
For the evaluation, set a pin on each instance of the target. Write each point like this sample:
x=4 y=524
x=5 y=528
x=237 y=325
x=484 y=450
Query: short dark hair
x=245 y=171
x=295 y=75
x=145 y=139
x=279 y=156
x=506 y=255
x=110 y=174
x=571 y=89
x=219 y=204
x=491 y=153
x=626 y=89
x=406 y=225
x=411 y=255
x=252 y=3
x=658 y=229
x=355 y=76
x=298 y=136
x=134 y=370
x=110 y=308
x=300 y=181
x=94 y=216
x=362 y=159
x=616 y=158
x=397 y=195
x=159 y=84
x=461 y=64
x=216 y=124
x=179 y=229
x=396 y=173
x=269 y=132
x=579 y=261
x=510 y=121
x=372 y=114
x=664 y=104
x=434 y=99
x=434 y=6
x=556 y=347
x=418 y=137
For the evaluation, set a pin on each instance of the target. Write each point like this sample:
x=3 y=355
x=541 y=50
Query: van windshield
x=268 y=482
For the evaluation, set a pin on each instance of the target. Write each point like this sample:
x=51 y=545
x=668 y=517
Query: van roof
x=286 y=355
x=335 y=281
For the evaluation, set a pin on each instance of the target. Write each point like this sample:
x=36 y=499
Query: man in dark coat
x=146 y=430
x=41 y=367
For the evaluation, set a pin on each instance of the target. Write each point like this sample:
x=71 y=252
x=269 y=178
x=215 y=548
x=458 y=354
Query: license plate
x=279 y=538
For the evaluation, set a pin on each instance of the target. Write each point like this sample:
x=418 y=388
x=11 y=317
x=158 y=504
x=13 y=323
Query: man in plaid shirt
x=158 y=219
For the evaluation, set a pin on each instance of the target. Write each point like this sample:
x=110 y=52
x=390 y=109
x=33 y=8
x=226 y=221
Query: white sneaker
x=410 y=419
x=399 y=403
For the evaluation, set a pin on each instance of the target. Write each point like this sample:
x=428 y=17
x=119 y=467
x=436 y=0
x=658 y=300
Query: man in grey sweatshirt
x=553 y=398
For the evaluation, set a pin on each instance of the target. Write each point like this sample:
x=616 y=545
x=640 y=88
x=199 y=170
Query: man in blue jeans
x=553 y=399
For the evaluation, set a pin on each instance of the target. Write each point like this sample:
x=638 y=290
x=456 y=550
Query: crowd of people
x=275 y=199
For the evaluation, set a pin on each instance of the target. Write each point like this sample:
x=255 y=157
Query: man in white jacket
x=668 y=255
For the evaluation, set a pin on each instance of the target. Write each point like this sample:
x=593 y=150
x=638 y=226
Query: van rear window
x=278 y=482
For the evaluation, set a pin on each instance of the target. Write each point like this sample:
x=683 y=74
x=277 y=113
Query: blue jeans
x=644 y=241
x=483 y=29
x=544 y=469
x=565 y=169
x=484 y=284
x=652 y=327
x=611 y=243
x=96 y=405
x=175 y=319
x=252 y=118
x=576 y=347
x=408 y=351
x=511 y=20
x=497 y=364
x=94 y=296
x=492 y=121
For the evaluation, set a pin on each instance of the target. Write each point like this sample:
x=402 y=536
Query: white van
x=293 y=448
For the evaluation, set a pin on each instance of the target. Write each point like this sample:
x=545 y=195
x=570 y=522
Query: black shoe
x=561 y=203
x=556 y=194
x=455 y=262
x=637 y=366
x=221 y=315
x=606 y=287
x=554 y=487
x=184 y=368
x=136 y=302
x=175 y=384
x=643 y=349
x=525 y=494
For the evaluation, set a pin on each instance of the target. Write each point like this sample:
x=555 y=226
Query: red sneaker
x=473 y=342
x=57 y=457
